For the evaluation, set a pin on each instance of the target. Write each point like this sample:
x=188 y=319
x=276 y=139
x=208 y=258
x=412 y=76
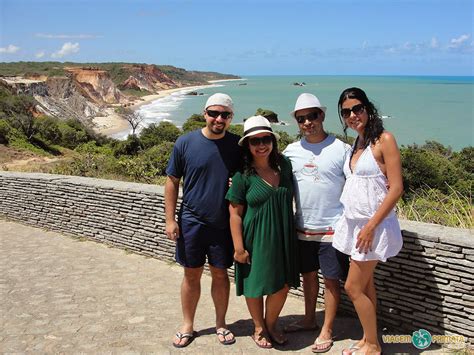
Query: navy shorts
x=322 y=255
x=196 y=241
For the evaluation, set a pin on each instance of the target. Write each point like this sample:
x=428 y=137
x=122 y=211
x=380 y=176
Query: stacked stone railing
x=429 y=285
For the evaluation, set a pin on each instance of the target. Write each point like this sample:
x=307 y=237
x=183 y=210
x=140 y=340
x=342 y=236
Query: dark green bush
x=72 y=137
x=237 y=129
x=284 y=140
x=48 y=129
x=465 y=160
x=5 y=130
x=423 y=168
x=157 y=157
x=194 y=122
x=131 y=146
x=156 y=134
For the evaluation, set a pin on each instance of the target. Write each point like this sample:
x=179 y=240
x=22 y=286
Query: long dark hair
x=273 y=159
x=374 y=127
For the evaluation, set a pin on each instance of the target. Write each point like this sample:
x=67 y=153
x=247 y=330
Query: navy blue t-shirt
x=206 y=166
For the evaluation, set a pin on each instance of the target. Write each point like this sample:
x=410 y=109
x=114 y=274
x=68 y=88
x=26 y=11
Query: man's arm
x=171 y=199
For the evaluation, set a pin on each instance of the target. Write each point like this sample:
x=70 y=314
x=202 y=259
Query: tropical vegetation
x=438 y=181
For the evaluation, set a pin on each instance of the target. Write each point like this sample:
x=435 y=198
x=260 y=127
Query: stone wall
x=429 y=285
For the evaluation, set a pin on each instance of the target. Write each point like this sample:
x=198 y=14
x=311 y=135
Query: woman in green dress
x=263 y=231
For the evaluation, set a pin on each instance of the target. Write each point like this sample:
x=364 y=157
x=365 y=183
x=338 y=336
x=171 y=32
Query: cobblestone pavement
x=64 y=295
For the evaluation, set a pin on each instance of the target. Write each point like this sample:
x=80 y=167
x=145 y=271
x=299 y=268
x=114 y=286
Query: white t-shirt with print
x=318 y=180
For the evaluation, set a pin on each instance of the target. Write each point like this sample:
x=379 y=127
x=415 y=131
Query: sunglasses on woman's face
x=357 y=109
x=312 y=116
x=214 y=114
x=259 y=140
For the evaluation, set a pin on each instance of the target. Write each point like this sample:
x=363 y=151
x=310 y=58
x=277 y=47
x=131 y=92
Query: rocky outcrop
x=268 y=114
x=96 y=85
x=23 y=86
x=146 y=77
x=61 y=97
x=65 y=99
x=83 y=92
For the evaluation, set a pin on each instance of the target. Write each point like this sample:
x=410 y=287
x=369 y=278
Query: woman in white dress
x=368 y=230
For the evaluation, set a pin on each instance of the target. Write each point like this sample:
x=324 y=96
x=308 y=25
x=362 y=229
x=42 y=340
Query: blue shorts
x=196 y=241
x=322 y=255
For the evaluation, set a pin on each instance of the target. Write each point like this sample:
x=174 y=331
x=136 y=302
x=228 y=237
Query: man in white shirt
x=317 y=161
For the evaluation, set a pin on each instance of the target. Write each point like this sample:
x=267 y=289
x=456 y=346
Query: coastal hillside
x=86 y=90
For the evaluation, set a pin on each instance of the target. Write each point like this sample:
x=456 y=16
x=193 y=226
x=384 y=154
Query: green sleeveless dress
x=269 y=233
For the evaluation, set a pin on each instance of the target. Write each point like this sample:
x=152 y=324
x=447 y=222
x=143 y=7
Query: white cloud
x=11 y=49
x=63 y=36
x=40 y=54
x=66 y=49
x=434 y=43
x=458 y=42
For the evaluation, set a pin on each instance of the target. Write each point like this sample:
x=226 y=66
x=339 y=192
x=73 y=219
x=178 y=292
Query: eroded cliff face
x=84 y=93
x=147 y=77
x=96 y=85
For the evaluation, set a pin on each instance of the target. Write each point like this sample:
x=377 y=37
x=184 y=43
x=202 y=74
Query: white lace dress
x=364 y=191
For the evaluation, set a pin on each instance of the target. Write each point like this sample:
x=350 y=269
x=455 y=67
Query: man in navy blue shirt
x=205 y=159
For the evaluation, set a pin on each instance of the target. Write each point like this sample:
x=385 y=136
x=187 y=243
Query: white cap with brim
x=220 y=100
x=255 y=125
x=307 y=101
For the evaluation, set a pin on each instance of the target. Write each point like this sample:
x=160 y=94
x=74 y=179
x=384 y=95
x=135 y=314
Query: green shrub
x=72 y=137
x=158 y=156
x=423 y=167
x=465 y=160
x=131 y=146
x=90 y=165
x=91 y=147
x=284 y=140
x=156 y=134
x=194 y=122
x=5 y=130
x=48 y=129
x=237 y=129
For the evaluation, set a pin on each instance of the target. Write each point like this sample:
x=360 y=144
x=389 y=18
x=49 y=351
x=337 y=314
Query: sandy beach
x=112 y=123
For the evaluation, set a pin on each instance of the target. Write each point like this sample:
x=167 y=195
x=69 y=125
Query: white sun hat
x=255 y=125
x=220 y=99
x=307 y=101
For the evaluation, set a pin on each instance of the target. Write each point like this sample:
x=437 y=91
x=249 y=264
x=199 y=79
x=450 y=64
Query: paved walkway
x=62 y=295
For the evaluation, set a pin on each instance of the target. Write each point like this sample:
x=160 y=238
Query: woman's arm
x=393 y=165
x=236 y=212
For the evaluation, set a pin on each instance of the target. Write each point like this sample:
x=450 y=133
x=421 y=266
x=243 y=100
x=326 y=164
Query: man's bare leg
x=310 y=292
x=220 y=289
x=332 y=296
x=190 y=293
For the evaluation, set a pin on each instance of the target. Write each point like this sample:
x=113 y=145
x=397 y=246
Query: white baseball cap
x=220 y=100
x=307 y=101
x=255 y=125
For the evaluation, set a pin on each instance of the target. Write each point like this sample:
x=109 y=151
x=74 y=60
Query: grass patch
x=23 y=144
x=433 y=206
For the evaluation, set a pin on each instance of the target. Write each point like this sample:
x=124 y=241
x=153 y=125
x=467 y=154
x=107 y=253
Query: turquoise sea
x=417 y=108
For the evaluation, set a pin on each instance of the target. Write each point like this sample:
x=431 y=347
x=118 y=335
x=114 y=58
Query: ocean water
x=417 y=109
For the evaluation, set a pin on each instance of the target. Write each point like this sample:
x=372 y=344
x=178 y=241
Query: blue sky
x=326 y=37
